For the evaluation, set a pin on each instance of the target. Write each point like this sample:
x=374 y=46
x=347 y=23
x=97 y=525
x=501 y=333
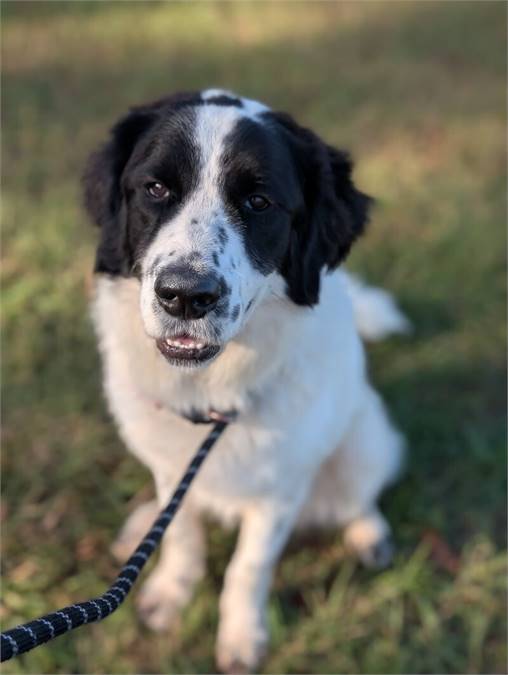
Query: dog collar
x=200 y=417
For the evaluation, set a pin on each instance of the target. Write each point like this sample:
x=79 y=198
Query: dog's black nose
x=186 y=295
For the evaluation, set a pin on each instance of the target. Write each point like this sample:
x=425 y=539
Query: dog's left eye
x=157 y=190
x=257 y=203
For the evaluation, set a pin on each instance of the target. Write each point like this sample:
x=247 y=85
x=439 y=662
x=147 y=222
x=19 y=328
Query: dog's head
x=215 y=203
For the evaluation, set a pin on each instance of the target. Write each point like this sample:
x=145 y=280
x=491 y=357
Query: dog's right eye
x=157 y=190
x=257 y=203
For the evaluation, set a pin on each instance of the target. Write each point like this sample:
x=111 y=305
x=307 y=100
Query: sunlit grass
x=416 y=91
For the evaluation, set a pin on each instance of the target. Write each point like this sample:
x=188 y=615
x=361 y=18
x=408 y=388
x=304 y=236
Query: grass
x=416 y=91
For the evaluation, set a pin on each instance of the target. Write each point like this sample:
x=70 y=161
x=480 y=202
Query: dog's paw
x=241 y=645
x=378 y=555
x=134 y=529
x=370 y=540
x=157 y=607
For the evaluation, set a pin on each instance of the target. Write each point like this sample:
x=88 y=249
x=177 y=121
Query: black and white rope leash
x=29 y=635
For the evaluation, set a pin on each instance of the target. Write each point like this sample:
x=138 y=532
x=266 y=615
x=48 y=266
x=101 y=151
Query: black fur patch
x=188 y=99
x=225 y=100
x=225 y=289
x=257 y=161
x=115 y=179
x=235 y=312
x=316 y=212
x=223 y=237
x=334 y=212
x=222 y=309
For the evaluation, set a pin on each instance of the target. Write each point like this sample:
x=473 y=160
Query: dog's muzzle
x=186 y=295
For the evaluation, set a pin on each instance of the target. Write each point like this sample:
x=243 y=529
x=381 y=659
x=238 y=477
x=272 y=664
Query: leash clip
x=226 y=417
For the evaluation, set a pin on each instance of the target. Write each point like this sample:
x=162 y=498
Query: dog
x=222 y=225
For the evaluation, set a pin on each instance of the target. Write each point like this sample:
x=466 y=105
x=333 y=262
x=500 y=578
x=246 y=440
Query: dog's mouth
x=186 y=350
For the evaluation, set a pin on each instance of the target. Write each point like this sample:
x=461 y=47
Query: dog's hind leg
x=350 y=481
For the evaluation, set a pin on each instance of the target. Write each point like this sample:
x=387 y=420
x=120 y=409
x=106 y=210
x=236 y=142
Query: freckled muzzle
x=188 y=296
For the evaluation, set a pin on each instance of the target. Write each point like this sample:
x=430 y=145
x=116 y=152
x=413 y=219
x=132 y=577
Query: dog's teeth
x=184 y=345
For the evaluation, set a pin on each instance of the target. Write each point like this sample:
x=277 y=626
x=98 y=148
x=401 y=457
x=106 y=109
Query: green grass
x=416 y=91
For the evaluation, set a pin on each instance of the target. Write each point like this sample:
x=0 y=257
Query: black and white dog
x=222 y=225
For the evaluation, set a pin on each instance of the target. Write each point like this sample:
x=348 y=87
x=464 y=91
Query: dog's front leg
x=243 y=635
x=169 y=587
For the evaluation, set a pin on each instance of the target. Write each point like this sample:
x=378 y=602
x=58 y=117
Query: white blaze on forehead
x=213 y=125
x=250 y=107
x=213 y=93
x=196 y=226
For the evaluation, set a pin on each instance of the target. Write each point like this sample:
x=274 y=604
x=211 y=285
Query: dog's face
x=215 y=203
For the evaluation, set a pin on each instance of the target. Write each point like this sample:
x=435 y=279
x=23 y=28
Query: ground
x=416 y=92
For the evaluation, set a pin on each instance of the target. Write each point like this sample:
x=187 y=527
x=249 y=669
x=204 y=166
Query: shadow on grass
x=367 y=68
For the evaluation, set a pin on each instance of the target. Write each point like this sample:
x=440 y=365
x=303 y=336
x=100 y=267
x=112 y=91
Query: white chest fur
x=293 y=374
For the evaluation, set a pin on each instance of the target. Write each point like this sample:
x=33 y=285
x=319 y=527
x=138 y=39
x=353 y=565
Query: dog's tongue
x=184 y=340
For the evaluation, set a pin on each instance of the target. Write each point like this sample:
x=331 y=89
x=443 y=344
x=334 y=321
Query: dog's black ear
x=103 y=194
x=334 y=214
